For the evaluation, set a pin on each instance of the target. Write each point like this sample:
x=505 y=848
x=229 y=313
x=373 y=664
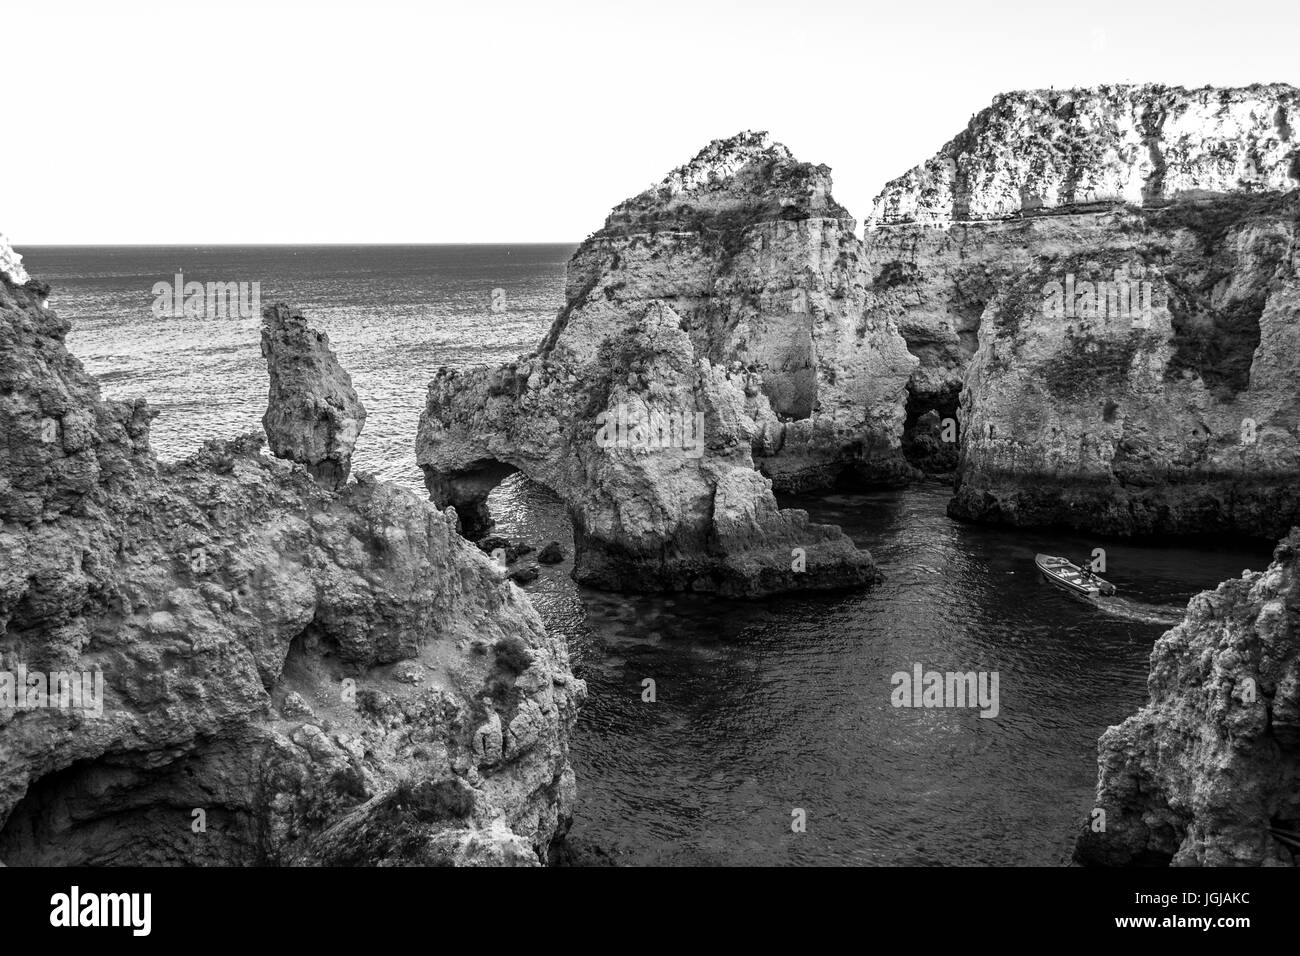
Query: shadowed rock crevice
x=931 y=432
x=106 y=813
x=467 y=491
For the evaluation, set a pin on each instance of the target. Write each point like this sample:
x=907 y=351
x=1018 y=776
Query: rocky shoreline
x=293 y=670
x=1084 y=312
x=1208 y=772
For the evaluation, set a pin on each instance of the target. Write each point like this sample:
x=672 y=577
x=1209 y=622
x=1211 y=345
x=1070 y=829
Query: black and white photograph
x=641 y=436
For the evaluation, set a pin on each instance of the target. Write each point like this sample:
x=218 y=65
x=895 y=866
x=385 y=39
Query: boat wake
x=1140 y=611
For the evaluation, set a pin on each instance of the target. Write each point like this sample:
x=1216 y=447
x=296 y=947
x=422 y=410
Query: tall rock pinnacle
x=313 y=415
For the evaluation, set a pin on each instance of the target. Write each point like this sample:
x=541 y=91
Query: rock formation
x=1181 y=419
x=313 y=415
x=1208 y=772
x=750 y=250
x=731 y=294
x=1044 y=149
x=287 y=674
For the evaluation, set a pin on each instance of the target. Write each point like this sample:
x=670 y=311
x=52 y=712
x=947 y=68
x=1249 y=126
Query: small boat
x=1070 y=577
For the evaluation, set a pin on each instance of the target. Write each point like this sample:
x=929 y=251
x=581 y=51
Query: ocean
x=765 y=712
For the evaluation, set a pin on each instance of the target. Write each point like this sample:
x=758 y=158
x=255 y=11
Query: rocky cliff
x=1208 y=772
x=731 y=294
x=1168 y=413
x=287 y=674
x=1051 y=149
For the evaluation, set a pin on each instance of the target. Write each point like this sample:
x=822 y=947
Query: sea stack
x=1101 y=286
x=1205 y=774
x=713 y=345
x=313 y=416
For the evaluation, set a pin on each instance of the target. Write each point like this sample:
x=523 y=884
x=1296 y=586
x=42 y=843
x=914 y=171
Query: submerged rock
x=1109 y=416
x=494 y=544
x=313 y=415
x=1208 y=772
x=715 y=325
x=552 y=553
x=286 y=674
x=525 y=575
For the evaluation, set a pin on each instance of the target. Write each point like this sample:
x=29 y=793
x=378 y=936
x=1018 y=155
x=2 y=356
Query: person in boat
x=1088 y=577
x=1086 y=573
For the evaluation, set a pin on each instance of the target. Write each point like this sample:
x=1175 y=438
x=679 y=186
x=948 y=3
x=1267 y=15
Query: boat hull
x=1070 y=577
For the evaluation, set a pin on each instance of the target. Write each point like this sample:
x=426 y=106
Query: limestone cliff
x=729 y=294
x=284 y=670
x=749 y=248
x=1208 y=772
x=1044 y=149
x=1182 y=422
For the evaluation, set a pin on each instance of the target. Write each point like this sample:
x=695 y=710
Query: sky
x=269 y=121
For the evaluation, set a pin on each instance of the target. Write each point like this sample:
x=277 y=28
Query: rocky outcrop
x=11 y=263
x=662 y=489
x=1208 y=772
x=1182 y=418
x=313 y=415
x=287 y=674
x=750 y=250
x=717 y=324
x=1182 y=422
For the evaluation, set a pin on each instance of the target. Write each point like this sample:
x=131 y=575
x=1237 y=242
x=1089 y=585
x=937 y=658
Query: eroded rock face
x=682 y=509
x=732 y=291
x=313 y=415
x=1043 y=149
x=1183 y=420
x=748 y=247
x=1211 y=765
x=327 y=677
x=1090 y=420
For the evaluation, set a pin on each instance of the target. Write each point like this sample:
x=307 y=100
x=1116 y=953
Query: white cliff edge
x=11 y=263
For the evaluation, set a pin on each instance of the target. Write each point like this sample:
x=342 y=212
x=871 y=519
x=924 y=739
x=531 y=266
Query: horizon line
x=142 y=245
